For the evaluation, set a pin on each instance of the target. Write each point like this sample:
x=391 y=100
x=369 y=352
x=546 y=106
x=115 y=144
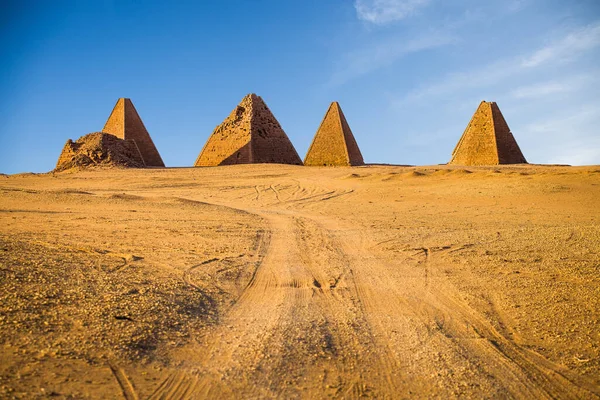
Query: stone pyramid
x=125 y=123
x=487 y=140
x=334 y=143
x=249 y=135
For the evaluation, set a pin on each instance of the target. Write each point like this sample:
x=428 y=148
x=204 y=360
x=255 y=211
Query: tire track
x=544 y=374
x=296 y=328
x=276 y=193
x=325 y=315
x=446 y=325
x=125 y=384
x=178 y=385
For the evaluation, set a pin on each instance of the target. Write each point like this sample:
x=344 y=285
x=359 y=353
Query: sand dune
x=273 y=281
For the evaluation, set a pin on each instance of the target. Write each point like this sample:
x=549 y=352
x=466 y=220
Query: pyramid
x=249 y=135
x=125 y=123
x=334 y=143
x=487 y=140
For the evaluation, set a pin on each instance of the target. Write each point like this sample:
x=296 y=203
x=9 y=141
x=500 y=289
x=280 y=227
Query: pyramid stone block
x=334 y=143
x=125 y=123
x=249 y=135
x=487 y=140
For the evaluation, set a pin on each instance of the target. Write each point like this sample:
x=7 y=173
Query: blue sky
x=408 y=73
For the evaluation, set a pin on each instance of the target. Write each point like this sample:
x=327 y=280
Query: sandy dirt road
x=382 y=282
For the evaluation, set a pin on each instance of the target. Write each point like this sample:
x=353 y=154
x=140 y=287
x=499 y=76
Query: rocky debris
x=74 y=305
x=249 y=135
x=487 y=140
x=99 y=149
x=334 y=143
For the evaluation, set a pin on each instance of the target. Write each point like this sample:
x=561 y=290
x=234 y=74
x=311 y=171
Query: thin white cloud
x=577 y=154
x=460 y=81
x=567 y=123
x=516 y=5
x=553 y=87
x=567 y=48
x=540 y=90
x=381 y=12
x=569 y=136
x=369 y=59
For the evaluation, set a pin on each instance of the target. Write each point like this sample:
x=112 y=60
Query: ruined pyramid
x=487 y=140
x=125 y=123
x=249 y=135
x=99 y=149
x=334 y=143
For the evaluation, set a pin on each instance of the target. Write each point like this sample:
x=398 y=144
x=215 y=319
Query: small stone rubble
x=99 y=149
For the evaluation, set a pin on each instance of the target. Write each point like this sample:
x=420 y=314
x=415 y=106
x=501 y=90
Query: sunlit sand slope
x=262 y=281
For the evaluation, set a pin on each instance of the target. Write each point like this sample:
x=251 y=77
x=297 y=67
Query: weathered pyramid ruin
x=334 y=143
x=99 y=149
x=125 y=123
x=487 y=140
x=250 y=134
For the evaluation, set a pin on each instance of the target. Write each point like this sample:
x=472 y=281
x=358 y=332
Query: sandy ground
x=266 y=281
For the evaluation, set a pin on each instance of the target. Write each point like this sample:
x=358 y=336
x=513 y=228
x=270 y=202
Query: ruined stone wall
x=67 y=153
x=477 y=146
x=508 y=149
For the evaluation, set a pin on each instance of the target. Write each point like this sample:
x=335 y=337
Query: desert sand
x=280 y=281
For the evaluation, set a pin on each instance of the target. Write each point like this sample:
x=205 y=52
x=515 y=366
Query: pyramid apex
x=123 y=101
x=252 y=98
x=335 y=104
x=488 y=102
